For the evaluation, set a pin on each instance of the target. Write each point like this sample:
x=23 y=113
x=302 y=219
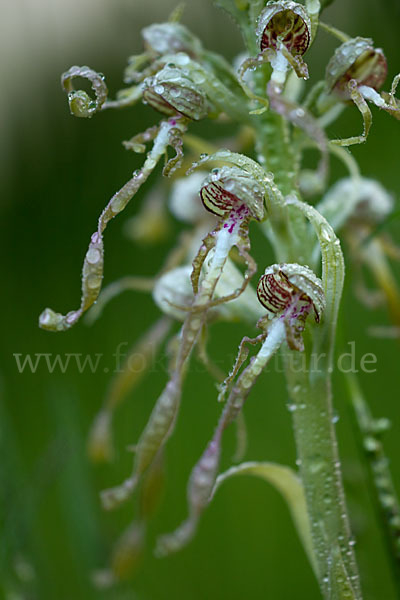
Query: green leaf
x=286 y=481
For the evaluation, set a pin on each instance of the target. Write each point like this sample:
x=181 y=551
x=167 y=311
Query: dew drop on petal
x=93 y=256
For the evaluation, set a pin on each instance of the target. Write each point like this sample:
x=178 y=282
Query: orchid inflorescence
x=295 y=302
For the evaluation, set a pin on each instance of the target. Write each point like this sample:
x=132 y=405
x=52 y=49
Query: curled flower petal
x=80 y=103
x=92 y=273
x=92 y=276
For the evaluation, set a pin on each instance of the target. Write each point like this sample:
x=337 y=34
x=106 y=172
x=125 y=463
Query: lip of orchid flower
x=162 y=419
x=289 y=291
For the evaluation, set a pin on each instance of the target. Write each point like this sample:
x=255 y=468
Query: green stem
x=276 y=152
x=274 y=149
x=320 y=471
x=309 y=386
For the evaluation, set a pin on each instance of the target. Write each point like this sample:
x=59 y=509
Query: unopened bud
x=172 y=92
x=356 y=59
x=184 y=200
x=356 y=200
x=170 y=38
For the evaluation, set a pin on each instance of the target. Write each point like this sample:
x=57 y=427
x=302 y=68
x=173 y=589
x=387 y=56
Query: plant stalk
x=309 y=387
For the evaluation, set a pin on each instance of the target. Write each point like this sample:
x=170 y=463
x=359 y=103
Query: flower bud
x=284 y=23
x=356 y=59
x=172 y=92
x=184 y=198
x=356 y=200
x=170 y=38
x=174 y=290
x=230 y=188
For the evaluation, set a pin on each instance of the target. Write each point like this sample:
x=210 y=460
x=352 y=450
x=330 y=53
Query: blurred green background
x=57 y=174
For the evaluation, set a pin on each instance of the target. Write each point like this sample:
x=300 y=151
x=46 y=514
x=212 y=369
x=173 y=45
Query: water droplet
x=93 y=256
x=371 y=444
x=182 y=59
x=316 y=465
x=198 y=77
x=175 y=92
x=93 y=282
x=117 y=205
x=326 y=233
